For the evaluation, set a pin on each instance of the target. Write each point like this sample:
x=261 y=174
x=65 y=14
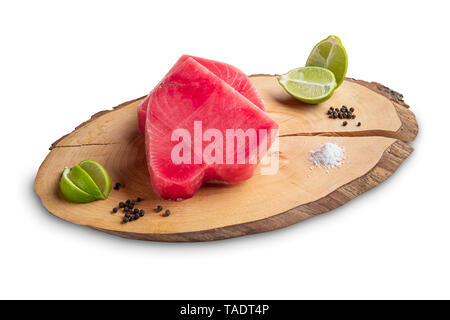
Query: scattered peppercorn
x=158 y=209
x=344 y=123
x=117 y=186
x=341 y=113
x=359 y=124
x=130 y=212
x=167 y=213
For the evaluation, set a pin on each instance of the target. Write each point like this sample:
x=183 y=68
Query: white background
x=62 y=61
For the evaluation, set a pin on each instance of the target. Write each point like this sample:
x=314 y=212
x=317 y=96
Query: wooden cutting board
x=296 y=192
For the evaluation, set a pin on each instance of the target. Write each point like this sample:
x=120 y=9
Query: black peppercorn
x=138 y=199
x=352 y=109
x=353 y=116
x=158 y=209
x=359 y=124
x=136 y=211
x=344 y=123
x=167 y=213
x=142 y=212
x=127 y=202
x=114 y=210
x=125 y=219
x=121 y=205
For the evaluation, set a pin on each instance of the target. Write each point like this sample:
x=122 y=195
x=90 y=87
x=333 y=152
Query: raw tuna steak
x=231 y=75
x=189 y=110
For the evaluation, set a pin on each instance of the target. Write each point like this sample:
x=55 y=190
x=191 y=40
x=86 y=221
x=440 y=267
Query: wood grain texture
x=297 y=191
x=380 y=114
x=389 y=162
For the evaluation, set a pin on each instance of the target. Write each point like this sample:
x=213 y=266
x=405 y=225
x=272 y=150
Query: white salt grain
x=329 y=155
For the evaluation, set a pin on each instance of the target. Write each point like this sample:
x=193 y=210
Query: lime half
x=71 y=191
x=309 y=84
x=84 y=181
x=330 y=54
x=98 y=174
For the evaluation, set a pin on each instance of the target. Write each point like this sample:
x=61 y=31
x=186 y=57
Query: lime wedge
x=84 y=181
x=71 y=191
x=98 y=174
x=309 y=84
x=330 y=54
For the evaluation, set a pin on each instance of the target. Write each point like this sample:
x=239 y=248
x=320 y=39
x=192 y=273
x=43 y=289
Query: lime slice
x=98 y=174
x=330 y=54
x=84 y=181
x=71 y=191
x=309 y=84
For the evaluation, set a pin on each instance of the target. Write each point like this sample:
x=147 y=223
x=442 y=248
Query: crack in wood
x=407 y=132
x=350 y=134
x=84 y=145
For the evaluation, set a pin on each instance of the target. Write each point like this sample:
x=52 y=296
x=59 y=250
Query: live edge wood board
x=296 y=192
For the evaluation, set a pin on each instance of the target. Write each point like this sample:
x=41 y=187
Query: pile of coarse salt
x=329 y=155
